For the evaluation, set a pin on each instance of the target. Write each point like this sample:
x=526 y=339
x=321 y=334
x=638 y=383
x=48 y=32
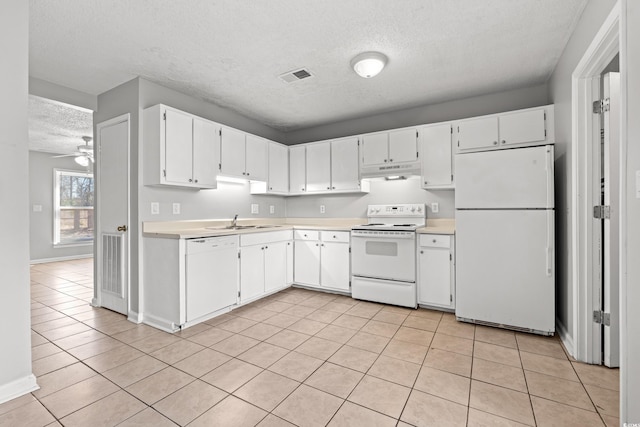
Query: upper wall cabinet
x=344 y=165
x=298 y=169
x=533 y=126
x=318 y=167
x=278 y=172
x=436 y=154
x=180 y=149
x=243 y=155
x=390 y=153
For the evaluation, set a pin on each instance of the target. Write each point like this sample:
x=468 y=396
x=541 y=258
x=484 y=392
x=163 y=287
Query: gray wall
x=15 y=321
x=451 y=110
x=355 y=206
x=41 y=166
x=560 y=95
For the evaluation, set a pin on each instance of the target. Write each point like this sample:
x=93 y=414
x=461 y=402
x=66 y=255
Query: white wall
x=630 y=349
x=41 y=166
x=15 y=357
x=590 y=22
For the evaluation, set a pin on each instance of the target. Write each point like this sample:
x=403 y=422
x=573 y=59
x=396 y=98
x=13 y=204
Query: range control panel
x=401 y=210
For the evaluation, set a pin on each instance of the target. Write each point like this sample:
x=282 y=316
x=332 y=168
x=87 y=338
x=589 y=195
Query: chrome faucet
x=233 y=222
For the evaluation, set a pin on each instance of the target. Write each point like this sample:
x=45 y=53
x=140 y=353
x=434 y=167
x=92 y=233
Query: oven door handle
x=356 y=235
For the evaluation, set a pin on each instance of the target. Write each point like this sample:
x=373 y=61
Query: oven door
x=384 y=255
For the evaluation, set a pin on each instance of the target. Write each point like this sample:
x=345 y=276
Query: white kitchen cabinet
x=180 y=149
x=290 y=262
x=263 y=263
x=344 y=165
x=278 y=168
x=532 y=126
x=436 y=271
x=375 y=148
x=396 y=146
x=322 y=259
x=318 y=167
x=243 y=155
x=437 y=156
x=298 y=169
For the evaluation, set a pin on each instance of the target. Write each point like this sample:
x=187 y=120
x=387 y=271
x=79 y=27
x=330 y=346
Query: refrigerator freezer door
x=519 y=178
x=505 y=271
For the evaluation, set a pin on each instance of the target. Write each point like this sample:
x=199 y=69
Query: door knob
x=122 y=228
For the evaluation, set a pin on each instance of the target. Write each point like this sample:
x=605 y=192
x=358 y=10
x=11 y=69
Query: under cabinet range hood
x=390 y=170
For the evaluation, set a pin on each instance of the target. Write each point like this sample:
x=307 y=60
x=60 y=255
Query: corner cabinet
x=436 y=271
x=180 y=149
x=322 y=260
x=436 y=142
x=532 y=126
x=243 y=155
x=278 y=172
x=298 y=170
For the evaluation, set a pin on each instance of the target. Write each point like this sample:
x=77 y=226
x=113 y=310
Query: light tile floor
x=295 y=358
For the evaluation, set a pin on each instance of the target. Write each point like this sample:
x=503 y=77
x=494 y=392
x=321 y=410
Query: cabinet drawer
x=306 y=235
x=266 y=237
x=435 y=240
x=335 y=236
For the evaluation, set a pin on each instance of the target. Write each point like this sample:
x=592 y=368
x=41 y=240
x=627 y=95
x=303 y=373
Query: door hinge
x=219 y=166
x=452 y=130
x=238 y=254
x=600 y=106
x=602 y=212
x=450 y=257
x=417 y=154
x=458 y=143
x=220 y=132
x=164 y=116
x=238 y=294
x=450 y=298
x=164 y=173
x=601 y=317
x=451 y=177
x=416 y=134
x=545 y=133
x=349 y=249
x=545 y=115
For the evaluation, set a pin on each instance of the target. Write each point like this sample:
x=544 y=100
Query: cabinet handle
x=334 y=236
x=247 y=173
x=390 y=160
x=421 y=252
x=328 y=188
x=302 y=189
x=495 y=142
x=385 y=160
x=266 y=247
x=190 y=180
x=305 y=235
x=333 y=188
x=425 y=183
x=434 y=240
x=196 y=180
x=504 y=142
x=270 y=188
x=317 y=244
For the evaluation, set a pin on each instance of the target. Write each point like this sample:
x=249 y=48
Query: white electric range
x=383 y=254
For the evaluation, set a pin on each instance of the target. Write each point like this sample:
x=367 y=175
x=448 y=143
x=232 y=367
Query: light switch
x=255 y=208
x=37 y=208
x=435 y=207
x=176 y=208
x=322 y=209
x=155 y=208
x=272 y=209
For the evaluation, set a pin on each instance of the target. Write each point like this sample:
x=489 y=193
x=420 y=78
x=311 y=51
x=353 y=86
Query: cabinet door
x=278 y=168
x=403 y=145
x=256 y=160
x=307 y=262
x=275 y=266
x=289 y=263
x=375 y=148
x=178 y=146
x=478 y=133
x=251 y=272
x=232 y=149
x=344 y=164
x=318 y=167
x=435 y=149
x=297 y=169
x=527 y=126
x=434 y=286
x=334 y=263
x=206 y=152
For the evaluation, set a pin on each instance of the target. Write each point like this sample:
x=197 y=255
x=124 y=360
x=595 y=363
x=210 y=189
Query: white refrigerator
x=505 y=244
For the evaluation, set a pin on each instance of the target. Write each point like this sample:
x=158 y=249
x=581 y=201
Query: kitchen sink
x=241 y=227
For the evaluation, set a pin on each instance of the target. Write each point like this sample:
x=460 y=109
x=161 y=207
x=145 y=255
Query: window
x=73 y=208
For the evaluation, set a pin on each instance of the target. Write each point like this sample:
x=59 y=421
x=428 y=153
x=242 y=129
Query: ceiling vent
x=295 y=75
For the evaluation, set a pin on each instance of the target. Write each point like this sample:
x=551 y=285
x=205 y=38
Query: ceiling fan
x=84 y=154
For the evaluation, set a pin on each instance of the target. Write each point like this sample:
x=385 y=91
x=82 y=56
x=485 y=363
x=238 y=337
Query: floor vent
x=112 y=273
x=296 y=75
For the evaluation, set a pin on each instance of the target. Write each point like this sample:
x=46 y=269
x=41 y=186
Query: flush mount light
x=369 y=64
x=82 y=160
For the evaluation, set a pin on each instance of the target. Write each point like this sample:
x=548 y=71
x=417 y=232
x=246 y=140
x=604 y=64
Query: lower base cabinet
x=436 y=271
x=322 y=259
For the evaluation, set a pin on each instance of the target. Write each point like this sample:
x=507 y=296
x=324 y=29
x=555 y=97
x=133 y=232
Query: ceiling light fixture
x=82 y=160
x=368 y=64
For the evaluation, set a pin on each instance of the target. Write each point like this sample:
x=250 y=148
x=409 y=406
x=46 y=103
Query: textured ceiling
x=231 y=52
x=57 y=128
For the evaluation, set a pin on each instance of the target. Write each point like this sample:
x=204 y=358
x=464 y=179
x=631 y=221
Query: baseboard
x=161 y=324
x=62 y=258
x=18 y=388
x=134 y=317
x=566 y=339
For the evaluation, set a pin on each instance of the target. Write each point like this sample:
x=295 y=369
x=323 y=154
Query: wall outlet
x=155 y=208
x=272 y=209
x=322 y=209
x=37 y=208
x=176 y=208
x=435 y=207
x=255 y=208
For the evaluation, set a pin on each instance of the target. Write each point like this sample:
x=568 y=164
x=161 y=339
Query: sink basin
x=241 y=227
x=267 y=226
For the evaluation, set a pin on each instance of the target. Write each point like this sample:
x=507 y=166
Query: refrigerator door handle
x=550 y=244
x=550 y=174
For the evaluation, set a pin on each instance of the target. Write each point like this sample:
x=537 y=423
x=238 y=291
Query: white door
x=478 y=133
x=275 y=266
x=178 y=147
x=435 y=150
x=375 y=148
x=318 y=167
x=334 y=262
x=297 y=170
x=307 y=262
x=206 y=152
x=510 y=179
x=505 y=267
x=344 y=164
x=251 y=272
x=403 y=145
x=256 y=158
x=232 y=152
x=112 y=214
x=278 y=168
x=611 y=226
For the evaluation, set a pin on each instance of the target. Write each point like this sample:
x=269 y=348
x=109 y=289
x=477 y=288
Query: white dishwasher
x=212 y=275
